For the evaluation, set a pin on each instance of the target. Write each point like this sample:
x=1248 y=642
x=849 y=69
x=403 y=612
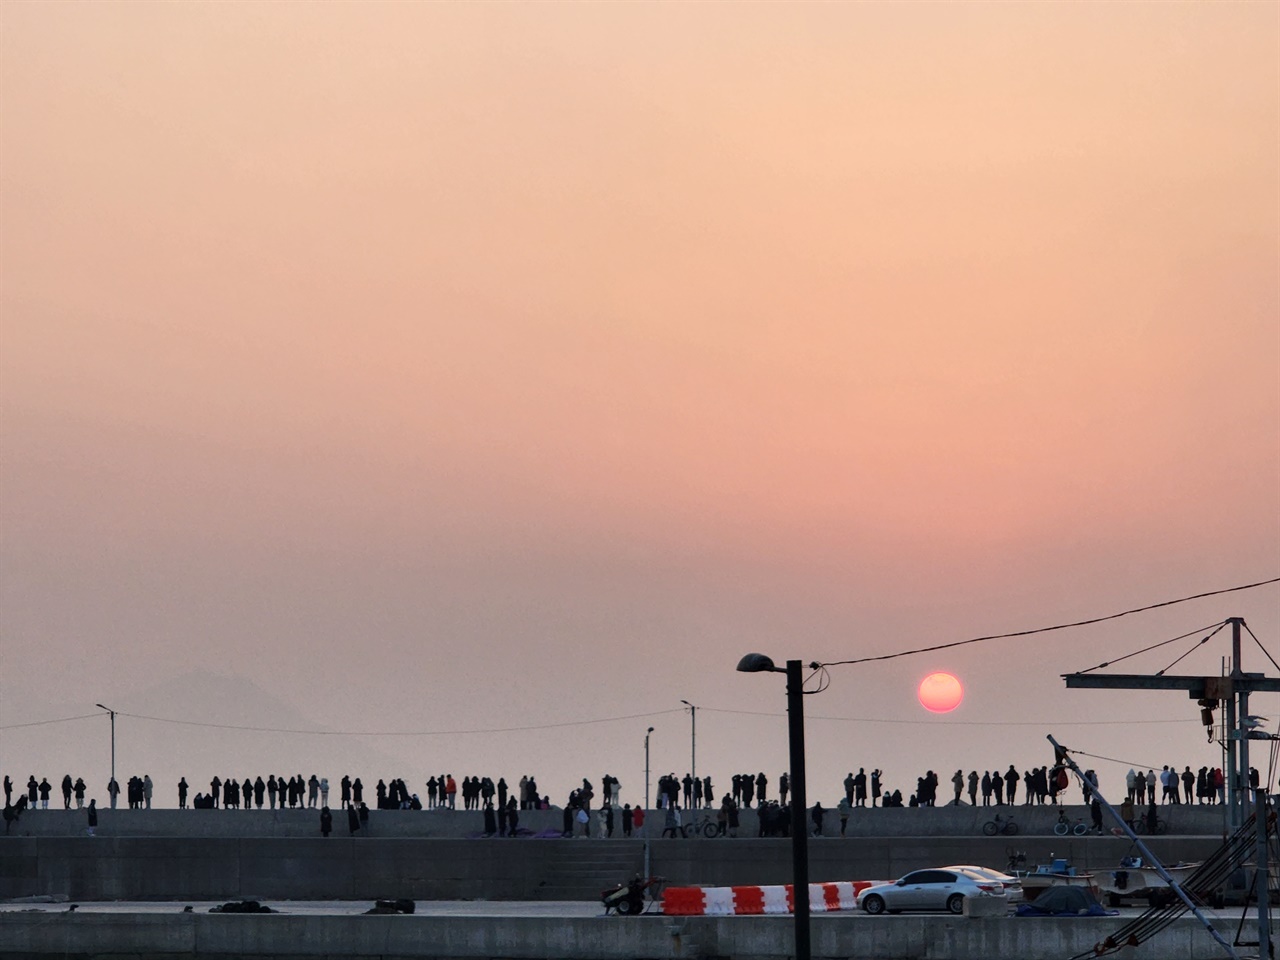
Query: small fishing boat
x=1139 y=880
x=1058 y=872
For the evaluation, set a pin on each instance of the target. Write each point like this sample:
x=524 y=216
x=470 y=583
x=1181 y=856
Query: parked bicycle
x=1000 y=824
x=705 y=826
x=1065 y=826
x=1143 y=825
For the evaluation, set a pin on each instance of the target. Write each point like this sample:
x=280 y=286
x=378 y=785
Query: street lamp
x=646 y=767
x=646 y=799
x=113 y=737
x=693 y=746
x=759 y=663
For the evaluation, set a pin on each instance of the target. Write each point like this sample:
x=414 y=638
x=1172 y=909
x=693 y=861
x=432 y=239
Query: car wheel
x=873 y=904
x=955 y=903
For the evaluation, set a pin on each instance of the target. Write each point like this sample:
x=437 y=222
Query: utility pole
x=113 y=737
x=693 y=747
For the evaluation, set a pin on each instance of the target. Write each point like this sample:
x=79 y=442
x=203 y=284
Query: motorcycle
x=628 y=899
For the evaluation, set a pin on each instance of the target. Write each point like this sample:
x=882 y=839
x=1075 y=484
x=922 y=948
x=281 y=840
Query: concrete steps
x=580 y=869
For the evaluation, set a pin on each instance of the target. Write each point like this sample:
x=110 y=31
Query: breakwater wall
x=217 y=868
x=73 y=936
x=946 y=821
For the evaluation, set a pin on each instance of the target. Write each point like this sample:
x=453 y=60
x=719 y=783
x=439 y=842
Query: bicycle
x=1000 y=824
x=1140 y=825
x=1065 y=826
x=704 y=826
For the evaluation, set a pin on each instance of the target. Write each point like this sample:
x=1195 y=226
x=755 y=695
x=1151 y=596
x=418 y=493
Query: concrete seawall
x=72 y=936
x=866 y=822
x=210 y=868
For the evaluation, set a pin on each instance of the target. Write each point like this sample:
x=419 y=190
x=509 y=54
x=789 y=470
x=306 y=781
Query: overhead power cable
x=1060 y=626
x=956 y=723
x=395 y=733
x=41 y=723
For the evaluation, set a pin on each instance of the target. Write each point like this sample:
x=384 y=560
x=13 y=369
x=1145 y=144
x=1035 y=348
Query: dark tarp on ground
x=1065 y=902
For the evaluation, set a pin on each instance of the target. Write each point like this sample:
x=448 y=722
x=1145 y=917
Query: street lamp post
x=759 y=663
x=646 y=768
x=113 y=737
x=646 y=800
x=693 y=742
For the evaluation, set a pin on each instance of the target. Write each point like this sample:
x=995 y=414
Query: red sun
x=940 y=692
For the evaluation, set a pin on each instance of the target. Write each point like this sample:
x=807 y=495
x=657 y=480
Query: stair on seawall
x=580 y=870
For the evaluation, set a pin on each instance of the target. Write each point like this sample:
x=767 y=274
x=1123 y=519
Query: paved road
x=429 y=908
x=433 y=908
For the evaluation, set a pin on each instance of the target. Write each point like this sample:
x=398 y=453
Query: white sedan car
x=928 y=890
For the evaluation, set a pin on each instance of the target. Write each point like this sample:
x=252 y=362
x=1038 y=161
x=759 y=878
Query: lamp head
x=757 y=663
x=650 y=730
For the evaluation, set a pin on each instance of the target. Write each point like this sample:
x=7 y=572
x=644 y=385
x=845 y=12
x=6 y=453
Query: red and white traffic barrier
x=745 y=901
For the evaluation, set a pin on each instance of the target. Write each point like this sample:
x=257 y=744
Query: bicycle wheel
x=1139 y=826
x=1162 y=827
x=1080 y=829
x=1010 y=829
x=1061 y=828
x=709 y=829
x=990 y=829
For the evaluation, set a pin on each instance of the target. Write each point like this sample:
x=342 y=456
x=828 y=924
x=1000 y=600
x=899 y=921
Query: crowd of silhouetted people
x=675 y=798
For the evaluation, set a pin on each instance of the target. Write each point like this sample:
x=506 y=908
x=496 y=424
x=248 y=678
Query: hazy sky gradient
x=444 y=366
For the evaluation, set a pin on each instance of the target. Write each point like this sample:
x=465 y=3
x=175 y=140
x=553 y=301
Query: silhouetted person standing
x=326 y=821
x=182 y=794
x=66 y=792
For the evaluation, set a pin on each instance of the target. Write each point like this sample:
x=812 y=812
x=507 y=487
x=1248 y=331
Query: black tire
x=873 y=904
x=1061 y=828
x=709 y=830
x=955 y=903
x=1139 y=826
x=1010 y=829
x=623 y=907
x=990 y=829
x=1161 y=827
x=1080 y=829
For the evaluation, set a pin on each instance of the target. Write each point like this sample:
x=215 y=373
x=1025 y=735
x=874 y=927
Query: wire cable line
x=41 y=723
x=1060 y=626
x=394 y=733
x=1262 y=648
x=956 y=723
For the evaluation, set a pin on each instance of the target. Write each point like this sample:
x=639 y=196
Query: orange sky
x=452 y=363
